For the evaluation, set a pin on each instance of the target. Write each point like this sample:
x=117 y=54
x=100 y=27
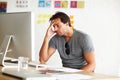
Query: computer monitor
x=21 y=26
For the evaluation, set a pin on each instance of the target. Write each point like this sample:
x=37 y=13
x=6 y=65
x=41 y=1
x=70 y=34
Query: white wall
x=100 y=19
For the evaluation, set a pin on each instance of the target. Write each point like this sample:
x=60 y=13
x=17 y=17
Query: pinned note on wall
x=80 y=4
x=22 y=3
x=72 y=20
x=64 y=4
x=43 y=18
x=57 y=4
x=44 y=3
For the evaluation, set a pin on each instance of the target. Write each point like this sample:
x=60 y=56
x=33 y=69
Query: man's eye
x=57 y=25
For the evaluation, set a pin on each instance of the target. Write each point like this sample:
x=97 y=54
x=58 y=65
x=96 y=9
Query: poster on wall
x=3 y=7
x=44 y=3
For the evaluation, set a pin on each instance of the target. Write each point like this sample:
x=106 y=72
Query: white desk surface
x=94 y=76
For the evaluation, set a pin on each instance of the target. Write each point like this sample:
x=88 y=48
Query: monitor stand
x=4 y=48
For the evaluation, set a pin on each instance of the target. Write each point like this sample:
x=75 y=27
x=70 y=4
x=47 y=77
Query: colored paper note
x=80 y=4
x=64 y=4
x=57 y=4
x=73 y=4
x=43 y=18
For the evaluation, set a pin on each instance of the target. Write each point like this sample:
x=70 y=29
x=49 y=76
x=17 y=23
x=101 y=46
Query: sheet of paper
x=72 y=77
x=67 y=70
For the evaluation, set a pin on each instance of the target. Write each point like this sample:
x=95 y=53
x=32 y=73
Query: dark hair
x=63 y=17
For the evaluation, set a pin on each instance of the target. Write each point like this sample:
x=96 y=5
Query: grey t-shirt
x=80 y=43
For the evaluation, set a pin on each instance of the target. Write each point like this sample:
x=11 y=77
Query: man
x=75 y=47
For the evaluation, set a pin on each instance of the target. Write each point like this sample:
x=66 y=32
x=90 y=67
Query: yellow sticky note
x=38 y=21
x=64 y=4
x=80 y=4
x=71 y=16
x=72 y=22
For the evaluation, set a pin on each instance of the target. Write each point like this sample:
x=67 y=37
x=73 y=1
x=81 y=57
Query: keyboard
x=14 y=62
x=36 y=64
x=11 y=61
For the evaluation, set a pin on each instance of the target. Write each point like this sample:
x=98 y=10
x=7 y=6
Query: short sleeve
x=87 y=44
x=52 y=43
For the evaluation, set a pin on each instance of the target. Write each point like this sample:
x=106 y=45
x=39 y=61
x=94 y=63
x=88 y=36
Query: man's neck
x=69 y=34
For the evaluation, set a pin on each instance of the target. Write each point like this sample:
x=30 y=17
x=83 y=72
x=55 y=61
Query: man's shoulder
x=80 y=33
x=55 y=36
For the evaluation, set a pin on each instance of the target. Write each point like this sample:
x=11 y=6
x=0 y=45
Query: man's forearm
x=89 y=67
x=43 y=55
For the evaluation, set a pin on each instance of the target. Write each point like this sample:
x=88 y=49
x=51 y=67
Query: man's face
x=59 y=27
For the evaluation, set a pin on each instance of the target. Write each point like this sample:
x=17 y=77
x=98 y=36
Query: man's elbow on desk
x=42 y=61
x=89 y=67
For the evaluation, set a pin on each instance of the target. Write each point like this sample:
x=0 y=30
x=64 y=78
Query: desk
x=94 y=75
x=6 y=77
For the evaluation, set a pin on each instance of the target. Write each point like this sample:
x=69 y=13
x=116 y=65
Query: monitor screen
x=21 y=26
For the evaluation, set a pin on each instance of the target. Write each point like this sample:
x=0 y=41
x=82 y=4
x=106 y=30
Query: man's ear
x=67 y=24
